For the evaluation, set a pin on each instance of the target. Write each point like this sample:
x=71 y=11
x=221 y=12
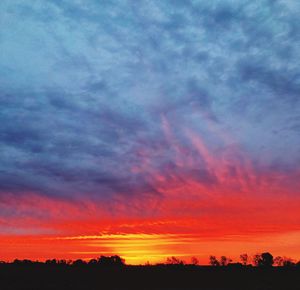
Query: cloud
x=85 y=86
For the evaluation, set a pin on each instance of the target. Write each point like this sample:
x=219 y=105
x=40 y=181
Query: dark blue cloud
x=85 y=86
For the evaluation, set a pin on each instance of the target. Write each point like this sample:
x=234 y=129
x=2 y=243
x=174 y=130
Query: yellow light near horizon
x=140 y=248
x=136 y=248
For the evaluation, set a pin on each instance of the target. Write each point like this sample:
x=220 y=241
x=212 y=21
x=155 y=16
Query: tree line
x=265 y=259
x=105 y=261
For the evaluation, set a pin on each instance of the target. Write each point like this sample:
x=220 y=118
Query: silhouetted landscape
x=261 y=272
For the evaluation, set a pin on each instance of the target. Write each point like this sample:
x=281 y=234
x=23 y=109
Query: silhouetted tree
x=284 y=261
x=263 y=260
x=92 y=262
x=51 y=262
x=112 y=261
x=256 y=259
x=213 y=261
x=23 y=262
x=194 y=261
x=244 y=259
x=267 y=259
x=288 y=263
x=225 y=261
x=62 y=262
x=278 y=261
x=174 y=261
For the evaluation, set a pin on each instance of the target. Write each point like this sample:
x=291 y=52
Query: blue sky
x=89 y=90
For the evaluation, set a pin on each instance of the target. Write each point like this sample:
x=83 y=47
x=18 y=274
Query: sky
x=149 y=129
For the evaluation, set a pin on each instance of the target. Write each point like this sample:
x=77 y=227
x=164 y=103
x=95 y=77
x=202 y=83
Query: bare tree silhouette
x=213 y=261
x=194 y=261
x=244 y=259
x=284 y=261
x=225 y=261
x=174 y=261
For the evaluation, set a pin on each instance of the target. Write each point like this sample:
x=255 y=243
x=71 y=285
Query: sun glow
x=135 y=248
x=140 y=248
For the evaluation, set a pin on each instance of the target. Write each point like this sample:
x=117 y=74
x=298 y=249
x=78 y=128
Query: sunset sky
x=149 y=129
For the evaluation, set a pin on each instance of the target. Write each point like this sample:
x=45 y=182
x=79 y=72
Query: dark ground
x=168 y=277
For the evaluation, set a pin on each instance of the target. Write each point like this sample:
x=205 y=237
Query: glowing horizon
x=148 y=248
